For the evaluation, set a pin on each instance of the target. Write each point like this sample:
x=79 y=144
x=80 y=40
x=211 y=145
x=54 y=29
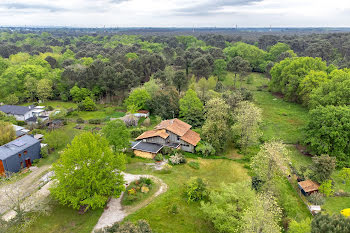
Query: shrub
x=158 y=157
x=49 y=108
x=177 y=159
x=146 y=122
x=142 y=226
x=168 y=151
x=146 y=181
x=205 y=149
x=80 y=121
x=316 y=199
x=194 y=165
x=95 y=121
x=196 y=190
x=135 y=132
x=44 y=152
x=87 y=105
x=326 y=188
x=173 y=209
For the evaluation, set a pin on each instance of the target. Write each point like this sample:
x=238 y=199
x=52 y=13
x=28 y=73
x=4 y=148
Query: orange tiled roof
x=309 y=185
x=175 y=126
x=191 y=137
x=153 y=133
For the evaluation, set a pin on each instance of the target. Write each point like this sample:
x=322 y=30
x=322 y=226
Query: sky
x=175 y=13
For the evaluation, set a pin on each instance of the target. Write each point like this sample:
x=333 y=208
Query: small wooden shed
x=308 y=186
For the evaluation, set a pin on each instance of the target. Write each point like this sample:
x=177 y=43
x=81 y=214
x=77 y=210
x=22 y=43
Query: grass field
x=189 y=218
x=63 y=219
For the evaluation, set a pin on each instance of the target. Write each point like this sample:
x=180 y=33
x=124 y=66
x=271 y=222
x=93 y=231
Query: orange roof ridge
x=153 y=133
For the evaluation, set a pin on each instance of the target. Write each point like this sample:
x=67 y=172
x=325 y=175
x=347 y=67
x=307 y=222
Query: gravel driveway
x=115 y=212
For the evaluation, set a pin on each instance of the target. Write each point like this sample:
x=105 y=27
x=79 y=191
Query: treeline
x=325 y=90
x=110 y=66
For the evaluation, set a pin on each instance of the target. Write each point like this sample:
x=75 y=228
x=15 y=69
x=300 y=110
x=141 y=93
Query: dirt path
x=24 y=187
x=115 y=211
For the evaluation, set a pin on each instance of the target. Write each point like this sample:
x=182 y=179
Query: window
x=21 y=164
x=19 y=155
x=25 y=152
x=178 y=138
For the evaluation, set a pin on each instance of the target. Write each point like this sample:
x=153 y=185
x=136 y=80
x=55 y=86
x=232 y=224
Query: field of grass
x=281 y=120
x=64 y=219
x=189 y=217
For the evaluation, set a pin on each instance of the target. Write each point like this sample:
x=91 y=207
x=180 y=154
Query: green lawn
x=64 y=219
x=189 y=218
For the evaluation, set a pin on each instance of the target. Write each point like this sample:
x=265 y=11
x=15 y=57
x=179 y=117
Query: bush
x=49 y=108
x=168 y=151
x=158 y=157
x=194 y=165
x=80 y=121
x=173 y=209
x=44 y=152
x=196 y=190
x=177 y=159
x=142 y=226
x=316 y=199
x=87 y=105
x=327 y=188
x=95 y=121
x=205 y=149
x=135 y=132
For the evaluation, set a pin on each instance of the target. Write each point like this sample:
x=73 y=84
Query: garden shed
x=308 y=186
x=18 y=154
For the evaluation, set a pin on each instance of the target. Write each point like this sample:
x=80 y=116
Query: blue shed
x=18 y=154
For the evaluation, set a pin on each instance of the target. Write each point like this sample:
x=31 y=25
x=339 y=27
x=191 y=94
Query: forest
x=272 y=109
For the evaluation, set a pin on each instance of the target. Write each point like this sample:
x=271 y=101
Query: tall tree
x=88 y=173
x=180 y=80
x=328 y=132
x=246 y=128
x=117 y=134
x=324 y=223
x=7 y=132
x=220 y=69
x=201 y=67
x=215 y=129
x=191 y=109
x=322 y=168
x=238 y=66
x=271 y=161
x=137 y=99
x=263 y=216
x=225 y=208
x=44 y=89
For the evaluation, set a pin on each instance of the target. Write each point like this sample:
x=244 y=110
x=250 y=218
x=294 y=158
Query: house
x=25 y=113
x=18 y=154
x=308 y=186
x=142 y=113
x=20 y=131
x=172 y=133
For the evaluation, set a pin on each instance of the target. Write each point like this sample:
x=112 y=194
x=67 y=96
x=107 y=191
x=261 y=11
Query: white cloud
x=163 y=13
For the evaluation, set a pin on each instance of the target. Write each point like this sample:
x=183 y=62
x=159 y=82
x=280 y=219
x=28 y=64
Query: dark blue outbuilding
x=18 y=154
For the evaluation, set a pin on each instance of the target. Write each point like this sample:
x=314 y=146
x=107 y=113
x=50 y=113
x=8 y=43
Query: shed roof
x=191 y=137
x=16 y=146
x=16 y=110
x=175 y=126
x=147 y=147
x=308 y=185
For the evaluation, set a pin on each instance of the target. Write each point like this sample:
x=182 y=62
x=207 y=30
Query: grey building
x=24 y=113
x=172 y=133
x=18 y=154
